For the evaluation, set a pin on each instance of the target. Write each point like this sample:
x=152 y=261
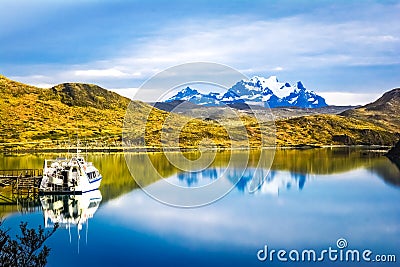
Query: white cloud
x=277 y=69
x=44 y=85
x=111 y=72
x=275 y=45
x=41 y=81
x=290 y=44
x=127 y=92
x=348 y=99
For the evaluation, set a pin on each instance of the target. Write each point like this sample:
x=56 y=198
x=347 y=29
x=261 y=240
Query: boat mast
x=69 y=231
x=77 y=146
x=79 y=236
x=87 y=227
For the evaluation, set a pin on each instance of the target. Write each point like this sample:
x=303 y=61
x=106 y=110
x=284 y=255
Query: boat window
x=91 y=175
x=92 y=204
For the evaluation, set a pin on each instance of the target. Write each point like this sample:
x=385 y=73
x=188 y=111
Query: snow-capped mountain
x=194 y=96
x=256 y=91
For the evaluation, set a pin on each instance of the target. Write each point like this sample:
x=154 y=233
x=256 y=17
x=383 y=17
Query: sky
x=346 y=51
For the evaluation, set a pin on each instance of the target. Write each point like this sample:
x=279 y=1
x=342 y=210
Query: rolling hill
x=30 y=114
x=328 y=129
x=377 y=123
x=384 y=112
x=39 y=118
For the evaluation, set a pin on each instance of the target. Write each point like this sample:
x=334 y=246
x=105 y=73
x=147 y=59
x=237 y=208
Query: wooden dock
x=19 y=186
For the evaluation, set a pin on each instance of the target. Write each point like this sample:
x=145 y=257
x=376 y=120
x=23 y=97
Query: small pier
x=19 y=186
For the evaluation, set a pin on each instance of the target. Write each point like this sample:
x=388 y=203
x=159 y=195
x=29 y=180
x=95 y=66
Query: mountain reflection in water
x=291 y=169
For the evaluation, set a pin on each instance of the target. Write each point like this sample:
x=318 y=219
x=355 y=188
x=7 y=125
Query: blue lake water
x=310 y=199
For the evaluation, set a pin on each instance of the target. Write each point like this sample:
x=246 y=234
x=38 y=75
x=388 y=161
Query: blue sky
x=348 y=51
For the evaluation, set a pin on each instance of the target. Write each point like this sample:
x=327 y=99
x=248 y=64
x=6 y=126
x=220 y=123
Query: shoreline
x=112 y=150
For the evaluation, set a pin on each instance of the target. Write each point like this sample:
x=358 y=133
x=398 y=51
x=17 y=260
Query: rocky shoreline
x=375 y=149
x=394 y=152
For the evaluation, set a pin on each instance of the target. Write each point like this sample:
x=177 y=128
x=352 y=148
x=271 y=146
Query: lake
x=317 y=199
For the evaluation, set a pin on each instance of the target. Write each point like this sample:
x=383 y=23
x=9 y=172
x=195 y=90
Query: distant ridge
x=256 y=91
x=388 y=102
x=170 y=106
x=385 y=111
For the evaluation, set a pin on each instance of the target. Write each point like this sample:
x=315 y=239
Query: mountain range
x=268 y=92
x=37 y=118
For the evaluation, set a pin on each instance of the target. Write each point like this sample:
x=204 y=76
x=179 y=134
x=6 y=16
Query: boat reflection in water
x=70 y=210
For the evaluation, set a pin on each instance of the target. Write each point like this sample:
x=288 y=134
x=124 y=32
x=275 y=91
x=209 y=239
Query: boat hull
x=74 y=176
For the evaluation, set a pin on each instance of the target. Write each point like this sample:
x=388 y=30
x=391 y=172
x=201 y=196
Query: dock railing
x=19 y=185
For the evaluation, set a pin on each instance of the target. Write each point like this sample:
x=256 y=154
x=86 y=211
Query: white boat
x=67 y=176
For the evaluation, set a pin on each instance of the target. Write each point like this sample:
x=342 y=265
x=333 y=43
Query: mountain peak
x=273 y=78
x=300 y=85
x=384 y=112
x=194 y=96
x=389 y=101
x=189 y=90
x=256 y=91
x=184 y=94
x=86 y=95
x=263 y=81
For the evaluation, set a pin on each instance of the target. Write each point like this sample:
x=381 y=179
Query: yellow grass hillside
x=332 y=130
x=31 y=115
x=39 y=118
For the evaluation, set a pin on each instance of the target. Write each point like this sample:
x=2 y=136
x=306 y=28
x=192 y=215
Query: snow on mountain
x=194 y=96
x=256 y=91
x=185 y=94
